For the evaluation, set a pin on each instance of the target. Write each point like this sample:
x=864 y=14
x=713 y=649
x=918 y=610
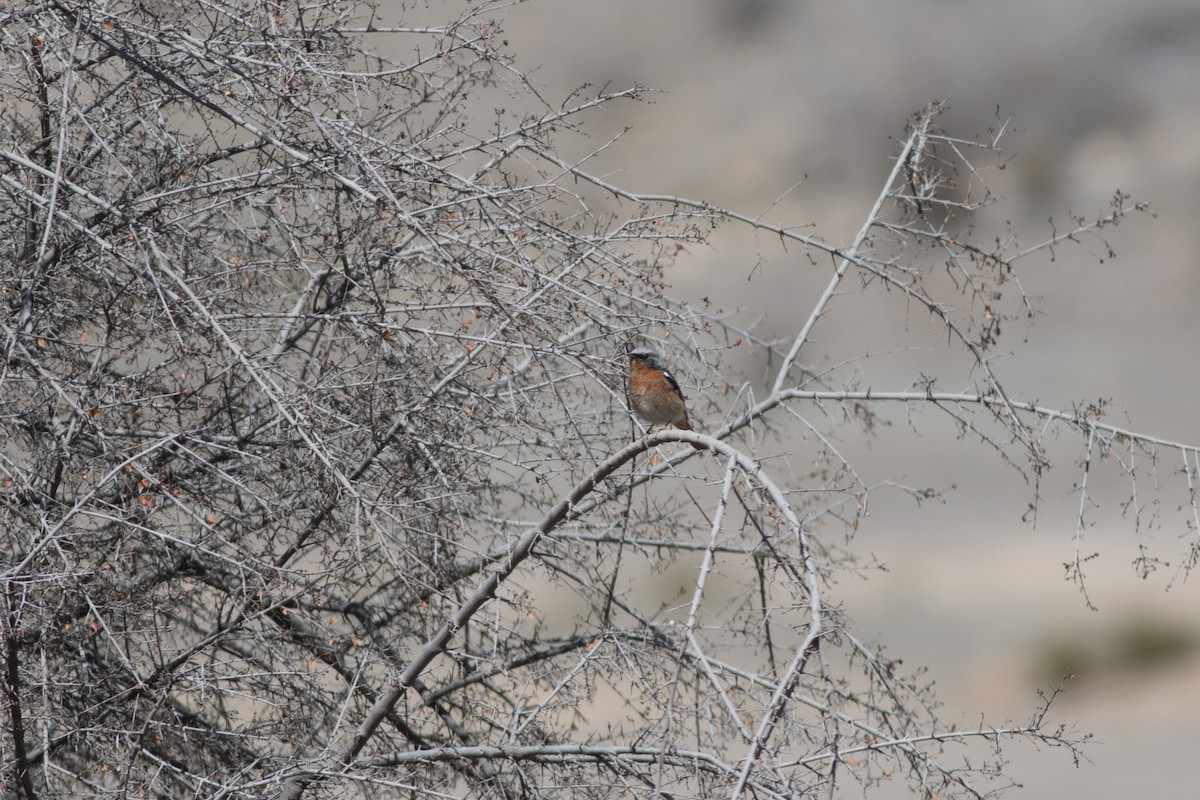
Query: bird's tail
x=687 y=426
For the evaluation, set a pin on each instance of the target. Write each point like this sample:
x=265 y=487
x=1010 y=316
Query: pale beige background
x=1105 y=94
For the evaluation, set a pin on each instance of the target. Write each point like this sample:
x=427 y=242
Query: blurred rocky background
x=753 y=96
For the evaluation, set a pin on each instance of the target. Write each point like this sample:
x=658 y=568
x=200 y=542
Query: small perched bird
x=654 y=394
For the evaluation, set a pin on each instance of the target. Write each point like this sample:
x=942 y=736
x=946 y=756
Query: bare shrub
x=313 y=385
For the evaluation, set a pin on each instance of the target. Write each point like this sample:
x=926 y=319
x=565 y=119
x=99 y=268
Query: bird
x=654 y=394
